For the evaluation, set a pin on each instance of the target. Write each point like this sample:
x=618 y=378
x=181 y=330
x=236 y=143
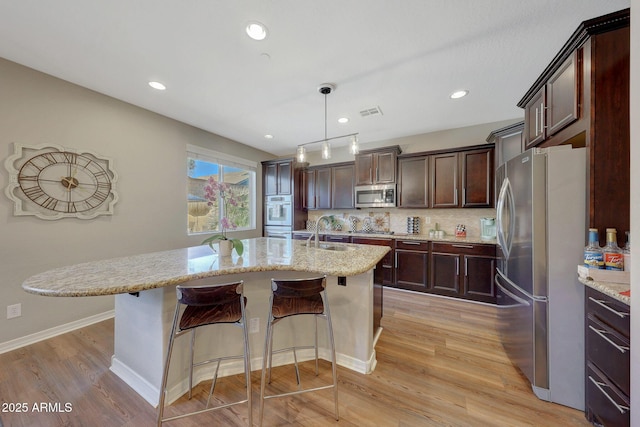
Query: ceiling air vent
x=375 y=111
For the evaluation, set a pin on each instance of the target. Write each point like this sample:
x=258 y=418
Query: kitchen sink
x=329 y=246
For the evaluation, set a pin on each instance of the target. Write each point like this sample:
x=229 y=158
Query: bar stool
x=296 y=297
x=207 y=305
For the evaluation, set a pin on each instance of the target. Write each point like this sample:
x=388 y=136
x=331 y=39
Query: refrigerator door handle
x=505 y=201
x=510 y=294
x=502 y=276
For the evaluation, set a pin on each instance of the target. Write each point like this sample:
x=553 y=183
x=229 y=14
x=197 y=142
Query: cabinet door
x=411 y=269
x=323 y=188
x=384 y=270
x=342 y=182
x=445 y=274
x=309 y=186
x=477 y=178
x=364 y=169
x=284 y=177
x=534 y=120
x=413 y=178
x=509 y=146
x=444 y=180
x=562 y=96
x=478 y=274
x=385 y=168
x=271 y=179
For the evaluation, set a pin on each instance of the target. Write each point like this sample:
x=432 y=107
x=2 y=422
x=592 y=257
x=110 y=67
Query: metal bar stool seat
x=293 y=297
x=207 y=305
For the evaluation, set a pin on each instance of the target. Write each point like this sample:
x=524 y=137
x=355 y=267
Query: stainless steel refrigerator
x=540 y=217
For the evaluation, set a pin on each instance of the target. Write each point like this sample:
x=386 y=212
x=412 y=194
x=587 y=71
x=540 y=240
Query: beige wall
x=149 y=157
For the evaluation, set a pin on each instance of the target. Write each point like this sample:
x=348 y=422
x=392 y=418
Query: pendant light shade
x=354 y=148
x=301 y=154
x=326 y=150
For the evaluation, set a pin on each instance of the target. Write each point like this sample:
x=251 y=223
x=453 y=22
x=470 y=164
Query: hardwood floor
x=440 y=363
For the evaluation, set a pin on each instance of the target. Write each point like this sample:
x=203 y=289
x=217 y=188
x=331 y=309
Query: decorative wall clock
x=53 y=182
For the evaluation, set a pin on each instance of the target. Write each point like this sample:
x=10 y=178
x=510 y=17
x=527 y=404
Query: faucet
x=326 y=217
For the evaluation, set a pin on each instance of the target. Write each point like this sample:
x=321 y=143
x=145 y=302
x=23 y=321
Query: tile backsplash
x=396 y=219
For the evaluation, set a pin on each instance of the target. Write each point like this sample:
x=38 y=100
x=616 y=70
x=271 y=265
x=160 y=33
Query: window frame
x=225 y=160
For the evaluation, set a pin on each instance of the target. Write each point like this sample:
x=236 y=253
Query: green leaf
x=238 y=246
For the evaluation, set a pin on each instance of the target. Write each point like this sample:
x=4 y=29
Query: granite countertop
x=608 y=288
x=446 y=239
x=148 y=271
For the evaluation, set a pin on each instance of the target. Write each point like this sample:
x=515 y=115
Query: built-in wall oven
x=277 y=232
x=278 y=211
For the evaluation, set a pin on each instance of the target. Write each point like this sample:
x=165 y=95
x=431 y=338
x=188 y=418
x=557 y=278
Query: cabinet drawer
x=609 y=311
x=332 y=238
x=609 y=351
x=464 y=248
x=413 y=245
x=605 y=403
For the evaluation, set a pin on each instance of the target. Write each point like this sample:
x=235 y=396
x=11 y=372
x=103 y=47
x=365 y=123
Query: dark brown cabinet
x=317 y=188
x=413 y=179
x=278 y=177
x=585 y=95
x=329 y=187
x=463 y=271
x=462 y=179
x=412 y=264
x=607 y=344
x=376 y=166
x=342 y=186
x=555 y=105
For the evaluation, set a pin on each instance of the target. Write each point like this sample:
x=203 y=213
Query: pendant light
x=301 y=153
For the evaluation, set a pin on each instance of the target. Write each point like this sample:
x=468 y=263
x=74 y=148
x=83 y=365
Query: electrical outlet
x=254 y=325
x=14 y=310
x=427 y=220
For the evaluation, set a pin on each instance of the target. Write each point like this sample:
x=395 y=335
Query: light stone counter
x=145 y=300
x=149 y=271
x=608 y=288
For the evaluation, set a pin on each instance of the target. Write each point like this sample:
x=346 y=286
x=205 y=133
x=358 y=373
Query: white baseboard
x=144 y=388
x=55 y=331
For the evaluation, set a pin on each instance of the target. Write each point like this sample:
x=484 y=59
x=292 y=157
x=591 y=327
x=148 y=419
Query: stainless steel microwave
x=375 y=196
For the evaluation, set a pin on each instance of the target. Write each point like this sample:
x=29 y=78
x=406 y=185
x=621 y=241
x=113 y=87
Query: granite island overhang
x=144 y=289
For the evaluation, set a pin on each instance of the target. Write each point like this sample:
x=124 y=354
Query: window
x=208 y=170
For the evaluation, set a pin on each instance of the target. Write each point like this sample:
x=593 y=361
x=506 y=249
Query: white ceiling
x=404 y=56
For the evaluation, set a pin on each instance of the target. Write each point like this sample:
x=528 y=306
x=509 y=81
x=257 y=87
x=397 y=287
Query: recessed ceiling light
x=268 y=136
x=458 y=94
x=256 y=30
x=157 y=85
x=343 y=120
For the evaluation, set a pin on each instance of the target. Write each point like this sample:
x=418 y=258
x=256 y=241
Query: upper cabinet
x=413 y=182
x=556 y=104
x=582 y=99
x=329 y=187
x=462 y=179
x=376 y=166
x=278 y=177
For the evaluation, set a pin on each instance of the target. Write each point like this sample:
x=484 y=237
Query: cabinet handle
x=604 y=304
x=602 y=333
x=465 y=267
x=620 y=408
x=464 y=195
x=457 y=266
x=537 y=121
x=462 y=246
x=396 y=260
x=411 y=243
x=541 y=118
x=455 y=196
x=377 y=174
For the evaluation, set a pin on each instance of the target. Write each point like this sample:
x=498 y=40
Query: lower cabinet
x=607 y=344
x=384 y=273
x=463 y=271
x=411 y=264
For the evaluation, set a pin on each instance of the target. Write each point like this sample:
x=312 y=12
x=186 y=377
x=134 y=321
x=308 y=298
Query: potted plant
x=223 y=192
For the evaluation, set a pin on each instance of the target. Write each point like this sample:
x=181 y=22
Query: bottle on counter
x=593 y=254
x=613 y=256
x=627 y=252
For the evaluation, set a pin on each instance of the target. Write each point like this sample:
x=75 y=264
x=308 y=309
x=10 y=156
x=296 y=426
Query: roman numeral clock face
x=52 y=182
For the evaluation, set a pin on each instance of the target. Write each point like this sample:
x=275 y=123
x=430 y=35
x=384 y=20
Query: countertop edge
x=609 y=288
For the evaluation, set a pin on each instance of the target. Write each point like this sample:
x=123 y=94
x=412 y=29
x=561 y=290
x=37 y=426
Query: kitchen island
x=144 y=289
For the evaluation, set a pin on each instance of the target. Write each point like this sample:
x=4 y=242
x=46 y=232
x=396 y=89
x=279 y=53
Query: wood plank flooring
x=440 y=363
